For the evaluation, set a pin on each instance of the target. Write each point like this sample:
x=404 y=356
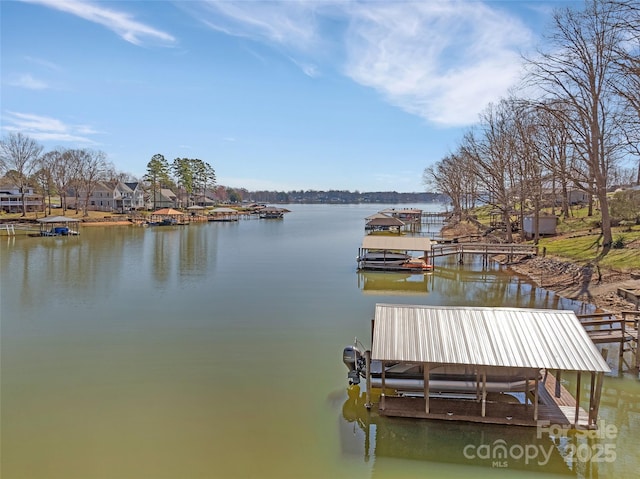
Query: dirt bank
x=584 y=283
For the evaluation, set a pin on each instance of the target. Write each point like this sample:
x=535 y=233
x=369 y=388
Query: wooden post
x=622 y=340
x=594 y=403
x=535 y=399
x=426 y=388
x=558 y=385
x=578 y=387
x=367 y=358
x=484 y=391
x=382 y=396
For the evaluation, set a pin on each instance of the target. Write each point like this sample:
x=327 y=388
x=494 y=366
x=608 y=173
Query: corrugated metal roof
x=377 y=215
x=386 y=221
x=403 y=243
x=505 y=337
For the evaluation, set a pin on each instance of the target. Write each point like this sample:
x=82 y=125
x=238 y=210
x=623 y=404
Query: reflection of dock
x=393 y=283
x=376 y=436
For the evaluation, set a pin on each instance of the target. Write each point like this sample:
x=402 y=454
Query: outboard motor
x=353 y=360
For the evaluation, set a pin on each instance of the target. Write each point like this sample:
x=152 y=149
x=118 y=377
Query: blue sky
x=274 y=95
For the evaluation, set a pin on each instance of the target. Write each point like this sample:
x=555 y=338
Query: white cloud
x=442 y=61
x=308 y=69
x=43 y=63
x=120 y=22
x=293 y=27
x=44 y=128
x=27 y=81
x=290 y=23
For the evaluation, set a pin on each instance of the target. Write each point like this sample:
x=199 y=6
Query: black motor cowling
x=353 y=360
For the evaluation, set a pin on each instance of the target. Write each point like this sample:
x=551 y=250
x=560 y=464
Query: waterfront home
x=11 y=199
x=138 y=195
x=108 y=196
x=165 y=198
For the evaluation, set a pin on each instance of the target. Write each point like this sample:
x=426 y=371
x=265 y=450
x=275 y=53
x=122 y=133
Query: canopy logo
x=499 y=453
x=573 y=444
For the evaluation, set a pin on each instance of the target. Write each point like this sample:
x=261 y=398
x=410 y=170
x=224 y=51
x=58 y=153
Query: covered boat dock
x=388 y=244
x=224 y=214
x=382 y=222
x=487 y=344
x=58 y=226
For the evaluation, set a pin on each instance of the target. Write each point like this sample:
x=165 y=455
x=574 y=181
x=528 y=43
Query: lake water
x=215 y=350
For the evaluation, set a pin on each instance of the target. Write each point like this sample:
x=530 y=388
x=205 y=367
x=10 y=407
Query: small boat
x=408 y=379
x=394 y=262
x=58 y=226
x=384 y=256
x=390 y=253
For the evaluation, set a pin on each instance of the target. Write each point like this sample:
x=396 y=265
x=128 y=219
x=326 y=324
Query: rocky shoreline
x=587 y=283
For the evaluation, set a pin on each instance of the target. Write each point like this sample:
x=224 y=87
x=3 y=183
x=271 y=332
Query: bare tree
x=44 y=176
x=552 y=142
x=627 y=81
x=492 y=150
x=19 y=158
x=453 y=176
x=93 y=167
x=576 y=73
x=531 y=171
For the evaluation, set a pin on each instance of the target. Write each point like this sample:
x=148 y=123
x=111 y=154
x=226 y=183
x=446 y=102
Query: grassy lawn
x=578 y=239
x=58 y=212
x=584 y=246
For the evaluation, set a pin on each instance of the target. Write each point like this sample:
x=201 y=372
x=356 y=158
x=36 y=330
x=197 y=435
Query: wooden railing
x=511 y=249
x=606 y=327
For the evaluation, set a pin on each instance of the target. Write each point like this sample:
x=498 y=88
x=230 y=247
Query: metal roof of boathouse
x=502 y=337
x=402 y=243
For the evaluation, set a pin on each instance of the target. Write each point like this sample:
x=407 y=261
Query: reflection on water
x=369 y=435
x=603 y=453
x=210 y=350
x=393 y=283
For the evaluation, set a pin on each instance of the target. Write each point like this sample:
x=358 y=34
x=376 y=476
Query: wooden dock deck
x=551 y=409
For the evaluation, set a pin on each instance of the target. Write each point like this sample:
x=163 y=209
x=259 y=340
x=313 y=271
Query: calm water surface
x=214 y=350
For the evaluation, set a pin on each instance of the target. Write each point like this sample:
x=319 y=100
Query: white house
x=11 y=199
x=138 y=198
x=108 y=196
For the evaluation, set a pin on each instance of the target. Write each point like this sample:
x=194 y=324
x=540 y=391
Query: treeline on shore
x=341 y=196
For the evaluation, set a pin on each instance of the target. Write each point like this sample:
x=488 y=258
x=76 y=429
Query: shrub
x=618 y=243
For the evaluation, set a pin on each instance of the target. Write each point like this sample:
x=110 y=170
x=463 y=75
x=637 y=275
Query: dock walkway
x=511 y=250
